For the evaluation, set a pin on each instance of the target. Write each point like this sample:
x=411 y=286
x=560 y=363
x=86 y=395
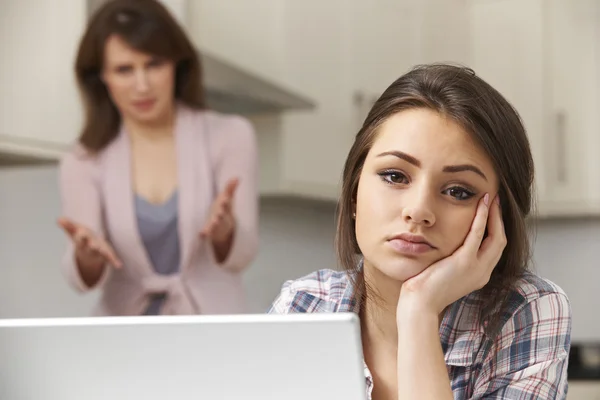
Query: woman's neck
x=378 y=324
x=378 y=311
x=151 y=130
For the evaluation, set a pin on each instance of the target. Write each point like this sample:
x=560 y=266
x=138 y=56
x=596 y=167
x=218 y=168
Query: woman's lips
x=144 y=104
x=410 y=244
x=409 y=248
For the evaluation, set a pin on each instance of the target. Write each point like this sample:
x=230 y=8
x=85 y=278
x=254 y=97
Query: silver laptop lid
x=294 y=356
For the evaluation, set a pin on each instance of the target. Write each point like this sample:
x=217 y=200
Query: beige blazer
x=97 y=191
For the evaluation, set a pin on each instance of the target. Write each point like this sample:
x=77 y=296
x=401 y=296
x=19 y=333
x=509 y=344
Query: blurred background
x=306 y=72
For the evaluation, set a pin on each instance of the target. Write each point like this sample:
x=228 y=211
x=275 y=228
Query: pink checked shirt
x=527 y=360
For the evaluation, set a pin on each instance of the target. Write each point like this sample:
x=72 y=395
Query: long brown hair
x=147 y=26
x=458 y=93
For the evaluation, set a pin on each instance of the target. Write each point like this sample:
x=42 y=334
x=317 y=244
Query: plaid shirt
x=527 y=360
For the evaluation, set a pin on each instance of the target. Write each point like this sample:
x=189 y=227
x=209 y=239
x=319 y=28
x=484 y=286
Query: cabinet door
x=442 y=31
x=506 y=49
x=315 y=143
x=572 y=118
x=385 y=44
x=39 y=101
x=246 y=33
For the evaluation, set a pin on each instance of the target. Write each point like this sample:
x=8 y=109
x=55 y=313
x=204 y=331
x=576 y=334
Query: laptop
x=285 y=357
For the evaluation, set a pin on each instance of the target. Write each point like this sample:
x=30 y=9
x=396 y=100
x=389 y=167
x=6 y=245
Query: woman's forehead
x=428 y=135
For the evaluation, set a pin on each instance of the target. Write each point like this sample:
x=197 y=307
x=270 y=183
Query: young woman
x=433 y=240
x=159 y=194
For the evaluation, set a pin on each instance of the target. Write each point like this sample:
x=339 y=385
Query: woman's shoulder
x=221 y=123
x=533 y=301
x=536 y=299
x=321 y=290
x=532 y=287
x=77 y=159
x=536 y=319
x=528 y=290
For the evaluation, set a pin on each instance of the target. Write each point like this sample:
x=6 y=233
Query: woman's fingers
x=231 y=188
x=209 y=227
x=493 y=246
x=76 y=232
x=81 y=239
x=110 y=256
x=87 y=243
x=477 y=231
x=68 y=226
x=226 y=199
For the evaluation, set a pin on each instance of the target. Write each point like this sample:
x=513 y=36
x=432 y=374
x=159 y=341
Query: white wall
x=295 y=239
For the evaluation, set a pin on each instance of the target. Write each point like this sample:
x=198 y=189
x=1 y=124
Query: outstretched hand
x=468 y=269
x=89 y=248
x=220 y=223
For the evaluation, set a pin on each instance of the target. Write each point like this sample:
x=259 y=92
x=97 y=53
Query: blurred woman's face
x=140 y=85
x=418 y=193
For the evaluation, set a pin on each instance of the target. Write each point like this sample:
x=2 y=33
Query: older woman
x=159 y=194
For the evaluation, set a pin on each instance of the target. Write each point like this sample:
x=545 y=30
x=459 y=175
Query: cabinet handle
x=561 y=159
x=363 y=104
x=358 y=100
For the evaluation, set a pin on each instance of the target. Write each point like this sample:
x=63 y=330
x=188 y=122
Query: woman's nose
x=418 y=208
x=141 y=80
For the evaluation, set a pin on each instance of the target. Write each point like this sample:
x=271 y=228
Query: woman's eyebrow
x=403 y=156
x=464 y=167
x=447 y=168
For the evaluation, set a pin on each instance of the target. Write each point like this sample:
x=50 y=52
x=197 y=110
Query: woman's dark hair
x=458 y=93
x=147 y=26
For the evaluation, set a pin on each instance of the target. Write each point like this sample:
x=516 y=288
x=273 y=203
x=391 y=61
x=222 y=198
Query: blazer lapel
x=119 y=197
x=195 y=181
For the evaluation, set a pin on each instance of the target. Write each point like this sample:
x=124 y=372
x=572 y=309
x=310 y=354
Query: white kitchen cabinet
x=441 y=31
x=543 y=57
x=39 y=104
x=583 y=390
x=249 y=34
x=572 y=122
x=343 y=54
x=390 y=37
x=541 y=54
x=317 y=57
x=385 y=43
x=298 y=45
x=506 y=49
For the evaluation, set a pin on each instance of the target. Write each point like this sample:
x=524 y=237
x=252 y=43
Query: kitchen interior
x=306 y=73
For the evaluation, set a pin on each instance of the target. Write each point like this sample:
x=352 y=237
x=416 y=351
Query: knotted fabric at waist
x=178 y=298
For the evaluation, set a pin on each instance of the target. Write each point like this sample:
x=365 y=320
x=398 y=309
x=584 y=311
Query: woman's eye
x=124 y=69
x=393 y=177
x=459 y=193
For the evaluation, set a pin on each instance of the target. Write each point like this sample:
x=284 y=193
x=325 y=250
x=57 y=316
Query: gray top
x=157 y=224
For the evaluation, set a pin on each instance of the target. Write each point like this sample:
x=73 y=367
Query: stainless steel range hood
x=231 y=89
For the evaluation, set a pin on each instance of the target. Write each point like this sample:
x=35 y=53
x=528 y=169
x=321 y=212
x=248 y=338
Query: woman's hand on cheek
x=468 y=269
